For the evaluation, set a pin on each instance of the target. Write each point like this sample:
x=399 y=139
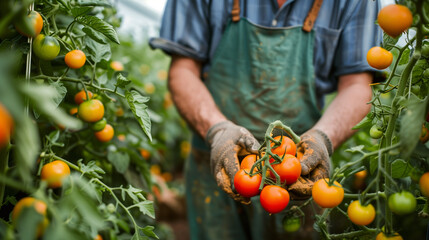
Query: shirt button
x=274 y=23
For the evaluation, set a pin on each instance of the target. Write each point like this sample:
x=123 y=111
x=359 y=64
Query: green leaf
x=365 y=122
x=405 y=57
x=411 y=124
x=146 y=207
x=122 y=81
x=148 y=231
x=77 y=11
x=90 y=168
x=27 y=224
x=139 y=108
x=98 y=51
x=418 y=69
x=120 y=160
x=96 y=36
x=373 y=165
x=389 y=42
x=100 y=26
x=27 y=147
x=400 y=168
x=45 y=100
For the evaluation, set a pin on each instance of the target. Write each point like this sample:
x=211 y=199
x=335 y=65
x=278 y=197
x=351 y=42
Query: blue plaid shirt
x=345 y=31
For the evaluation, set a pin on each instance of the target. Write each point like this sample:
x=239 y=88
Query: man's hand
x=227 y=141
x=316 y=148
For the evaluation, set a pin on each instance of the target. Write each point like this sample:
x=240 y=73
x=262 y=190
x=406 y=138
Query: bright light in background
x=141 y=19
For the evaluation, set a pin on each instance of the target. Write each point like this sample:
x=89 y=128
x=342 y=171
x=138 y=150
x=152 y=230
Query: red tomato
x=274 y=198
x=287 y=145
x=289 y=169
x=248 y=161
x=246 y=185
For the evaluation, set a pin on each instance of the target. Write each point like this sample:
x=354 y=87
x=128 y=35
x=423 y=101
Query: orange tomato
x=117 y=66
x=80 y=97
x=54 y=173
x=359 y=214
x=145 y=153
x=327 y=196
x=75 y=59
x=98 y=237
x=424 y=135
x=379 y=58
x=91 y=110
x=424 y=184
x=6 y=125
x=395 y=19
x=382 y=236
x=106 y=134
x=287 y=146
x=248 y=161
x=289 y=169
x=36 y=22
x=40 y=208
x=73 y=111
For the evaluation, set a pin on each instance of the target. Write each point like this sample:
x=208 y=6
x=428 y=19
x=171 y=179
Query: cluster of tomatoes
x=91 y=110
x=273 y=198
x=394 y=19
x=47 y=47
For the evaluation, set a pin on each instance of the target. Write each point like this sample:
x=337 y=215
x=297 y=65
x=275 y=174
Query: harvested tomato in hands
x=289 y=169
x=274 y=198
x=246 y=185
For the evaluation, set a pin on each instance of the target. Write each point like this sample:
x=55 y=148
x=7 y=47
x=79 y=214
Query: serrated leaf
x=122 y=81
x=146 y=207
x=418 y=69
x=148 y=231
x=405 y=57
x=139 y=108
x=77 y=11
x=100 y=26
x=411 y=124
x=389 y=42
x=373 y=165
x=120 y=160
x=96 y=36
x=97 y=51
x=44 y=99
x=400 y=168
x=91 y=169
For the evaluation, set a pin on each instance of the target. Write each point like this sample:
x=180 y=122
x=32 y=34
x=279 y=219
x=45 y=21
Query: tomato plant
x=46 y=47
x=287 y=146
x=375 y=132
x=402 y=203
x=246 y=184
x=395 y=19
x=274 y=199
x=359 y=214
x=54 y=173
x=30 y=26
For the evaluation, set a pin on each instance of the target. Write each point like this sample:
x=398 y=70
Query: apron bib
x=257 y=75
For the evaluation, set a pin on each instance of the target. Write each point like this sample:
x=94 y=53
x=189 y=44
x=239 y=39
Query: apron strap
x=312 y=15
x=236 y=11
x=308 y=23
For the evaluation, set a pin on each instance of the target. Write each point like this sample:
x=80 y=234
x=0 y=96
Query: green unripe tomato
x=425 y=50
x=375 y=132
x=426 y=73
x=99 y=125
x=46 y=47
x=415 y=89
x=291 y=224
x=402 y=203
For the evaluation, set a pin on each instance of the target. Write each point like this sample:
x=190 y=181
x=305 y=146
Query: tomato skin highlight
x=361 y=215
x=274 y=199
x=327 y=196
x=402 y=203
x=289 y=169
x=54 y=173
x=246 y=185
x=46 y=47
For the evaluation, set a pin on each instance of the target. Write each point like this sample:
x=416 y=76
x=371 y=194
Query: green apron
x=257 y=75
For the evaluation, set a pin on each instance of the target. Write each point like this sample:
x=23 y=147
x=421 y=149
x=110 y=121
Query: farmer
x=238 y=65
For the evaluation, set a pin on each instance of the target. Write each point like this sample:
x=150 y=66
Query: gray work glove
x=315 y=162
x=227 y=141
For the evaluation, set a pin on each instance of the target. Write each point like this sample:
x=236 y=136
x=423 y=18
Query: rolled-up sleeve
x=184 y=30
x=359 y=34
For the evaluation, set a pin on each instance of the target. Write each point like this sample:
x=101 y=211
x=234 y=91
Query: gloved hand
x=316 y=148
x=227 y=141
